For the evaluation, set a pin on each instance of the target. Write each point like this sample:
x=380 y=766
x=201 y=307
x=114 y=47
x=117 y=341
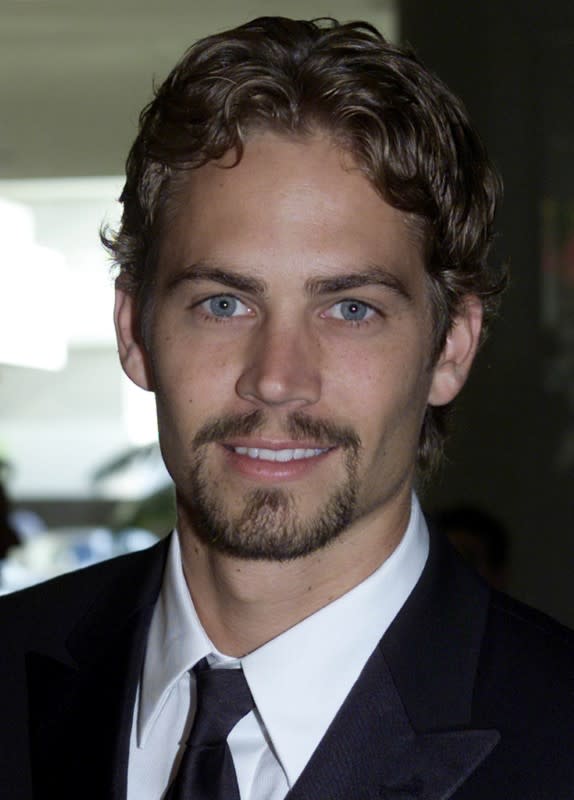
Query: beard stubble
x=268 y=525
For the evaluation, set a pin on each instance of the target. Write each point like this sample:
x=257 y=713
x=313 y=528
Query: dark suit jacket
x=469 y=695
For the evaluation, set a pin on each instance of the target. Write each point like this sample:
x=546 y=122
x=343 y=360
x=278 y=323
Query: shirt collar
x=284 y=684
x=176 y=642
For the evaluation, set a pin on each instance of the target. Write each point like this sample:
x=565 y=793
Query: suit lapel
x=404 y=732
x=372 y=751
x=81 y=701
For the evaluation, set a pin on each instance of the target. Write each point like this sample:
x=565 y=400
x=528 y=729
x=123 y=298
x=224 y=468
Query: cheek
x=192 y=382
x=379 y=375
x=389 y=410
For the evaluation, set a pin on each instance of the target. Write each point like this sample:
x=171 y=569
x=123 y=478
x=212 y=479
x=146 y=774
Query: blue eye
x=353 y=310
x=224 y=305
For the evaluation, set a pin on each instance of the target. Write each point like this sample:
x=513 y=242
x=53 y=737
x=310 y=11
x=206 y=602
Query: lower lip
x=259 y=469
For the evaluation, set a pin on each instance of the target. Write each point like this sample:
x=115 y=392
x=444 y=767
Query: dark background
x=513 y=64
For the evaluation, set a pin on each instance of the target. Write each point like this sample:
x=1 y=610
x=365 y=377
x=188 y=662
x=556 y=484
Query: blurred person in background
x=8 y=535
x=303 y=282
x=480 y=538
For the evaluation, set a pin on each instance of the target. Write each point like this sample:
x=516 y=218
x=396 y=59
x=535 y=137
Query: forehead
x=298 y=202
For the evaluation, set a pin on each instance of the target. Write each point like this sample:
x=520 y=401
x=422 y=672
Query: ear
x=453 y=365
x=134 y=357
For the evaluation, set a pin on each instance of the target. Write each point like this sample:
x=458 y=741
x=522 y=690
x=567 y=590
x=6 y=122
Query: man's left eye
x=351 y=311
x=224 y=306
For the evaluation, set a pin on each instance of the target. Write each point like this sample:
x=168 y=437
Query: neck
x=243 y=604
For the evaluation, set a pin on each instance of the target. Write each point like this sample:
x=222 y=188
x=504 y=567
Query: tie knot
x=223 y=698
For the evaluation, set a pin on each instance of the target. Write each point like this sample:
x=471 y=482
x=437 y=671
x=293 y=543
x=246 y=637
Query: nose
x=281 y=367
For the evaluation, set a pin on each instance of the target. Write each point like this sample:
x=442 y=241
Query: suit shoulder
x=527 y=659
x=529 y=626
x=56 y=601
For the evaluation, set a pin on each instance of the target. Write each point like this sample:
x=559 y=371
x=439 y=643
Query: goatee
x=268 y=526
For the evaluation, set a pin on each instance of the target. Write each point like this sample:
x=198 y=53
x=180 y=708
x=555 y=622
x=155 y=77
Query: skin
x=282 y=235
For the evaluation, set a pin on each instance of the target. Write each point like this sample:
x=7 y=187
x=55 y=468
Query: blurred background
x=79 y=460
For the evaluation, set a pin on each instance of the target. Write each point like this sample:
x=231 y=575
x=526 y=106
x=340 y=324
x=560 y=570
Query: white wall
x=58 y=426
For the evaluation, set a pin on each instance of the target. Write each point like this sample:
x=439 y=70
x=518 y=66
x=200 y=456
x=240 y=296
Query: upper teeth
x=279 y=455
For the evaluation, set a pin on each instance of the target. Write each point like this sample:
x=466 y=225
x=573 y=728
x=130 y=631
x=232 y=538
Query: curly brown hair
x=405 y=130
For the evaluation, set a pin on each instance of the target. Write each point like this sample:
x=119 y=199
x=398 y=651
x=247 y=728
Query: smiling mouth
x=283 y=456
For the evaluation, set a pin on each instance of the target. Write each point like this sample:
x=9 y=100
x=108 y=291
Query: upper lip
x=275 y=444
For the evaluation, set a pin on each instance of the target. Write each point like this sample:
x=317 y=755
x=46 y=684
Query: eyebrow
x=372 y=276
x=206 y=272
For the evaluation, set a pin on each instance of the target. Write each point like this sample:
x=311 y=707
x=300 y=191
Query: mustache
x=299 y=426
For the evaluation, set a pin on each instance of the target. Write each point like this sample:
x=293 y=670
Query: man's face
x=289 y=349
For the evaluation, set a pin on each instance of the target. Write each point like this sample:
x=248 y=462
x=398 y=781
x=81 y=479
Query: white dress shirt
x=299 y=680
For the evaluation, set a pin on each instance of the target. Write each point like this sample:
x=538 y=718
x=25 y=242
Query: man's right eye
x=224 y=306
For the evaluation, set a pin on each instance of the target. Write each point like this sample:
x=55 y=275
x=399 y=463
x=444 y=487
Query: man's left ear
x=453 y=365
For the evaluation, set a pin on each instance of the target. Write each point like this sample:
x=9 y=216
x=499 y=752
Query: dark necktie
x=206 y=771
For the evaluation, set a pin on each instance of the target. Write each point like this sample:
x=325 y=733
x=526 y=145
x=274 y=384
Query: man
x=303 y=281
